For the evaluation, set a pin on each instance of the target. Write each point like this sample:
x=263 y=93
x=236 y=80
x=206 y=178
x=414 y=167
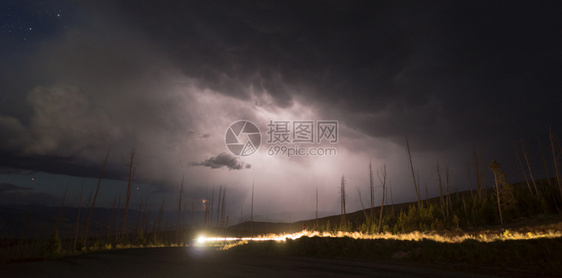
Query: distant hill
x=38 y=221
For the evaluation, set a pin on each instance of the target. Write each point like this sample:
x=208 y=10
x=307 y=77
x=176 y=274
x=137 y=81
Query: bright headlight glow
x=201 y=239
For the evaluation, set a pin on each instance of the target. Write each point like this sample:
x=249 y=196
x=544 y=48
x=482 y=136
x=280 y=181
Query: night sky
x=168 y=79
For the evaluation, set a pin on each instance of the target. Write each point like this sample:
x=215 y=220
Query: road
x=205 y=262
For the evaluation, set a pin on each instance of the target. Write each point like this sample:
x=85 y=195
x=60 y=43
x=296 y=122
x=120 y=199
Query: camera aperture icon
x=243 y=138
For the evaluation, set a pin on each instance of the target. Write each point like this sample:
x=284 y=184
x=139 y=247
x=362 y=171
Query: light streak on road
x=482 y=236
x=284 y=237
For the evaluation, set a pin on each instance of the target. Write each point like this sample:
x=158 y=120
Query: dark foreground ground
x=207 y=262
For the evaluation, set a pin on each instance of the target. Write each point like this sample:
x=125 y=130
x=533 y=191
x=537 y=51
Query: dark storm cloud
x=78 y=94
x=442 y=72
x=123 y=73
x=223 y=160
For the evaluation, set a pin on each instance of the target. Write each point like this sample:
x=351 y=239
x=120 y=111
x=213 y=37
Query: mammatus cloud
x=223 y=160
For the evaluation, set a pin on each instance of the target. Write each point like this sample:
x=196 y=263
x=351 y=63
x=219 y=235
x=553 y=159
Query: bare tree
x=477 y=172
x=495 y=168
x=240 y=226
x=483 y=180
x=449 y=204
x=206 y=203
x=157 y=222
x=132 y=170
x=111 y=220
x=441 y=199
x=413 y=175
x=252 y=213
x=59 y=218
x=97 y=191
x=504 y=192
x=426 y=194
x=179 y=213
x=138 y=215
x=223 y=208
x=522 y=169
x=219 y=206
x=78 y=216
x=361 y=201
x=544 y=161
x=316 y=207
x=211 y=207
x=464 y=206
x=382 y=179
x=529 y=167
x=372 y=190
x=342 y=200
x=192 y=208
x=391 y=199
x=145 y=215
x=469 y=179
x=85 y=214
x=118 y=214
x=183 y=215
x=555 y=157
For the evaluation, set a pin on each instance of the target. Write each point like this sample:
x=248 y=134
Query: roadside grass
x=553 y=230
x=536 y=250
x=539 y=256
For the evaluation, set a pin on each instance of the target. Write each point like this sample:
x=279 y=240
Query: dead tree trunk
x=416 y=187
x=529 y=167
x=316 y=207
x=372 y=190
x=477 y=172
x=499 y=177
x=383 y=183
x=555 y=157
x=449 y=204
x=179 y=213
x=78 y=217
x=469 y=180
x=59 y=218
x=441 y=199
x=544 y=162
x=132 y=170
x=252 y=214
x=97 y=191
x=361 y=201
x=524 y=172
x=342 y=201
